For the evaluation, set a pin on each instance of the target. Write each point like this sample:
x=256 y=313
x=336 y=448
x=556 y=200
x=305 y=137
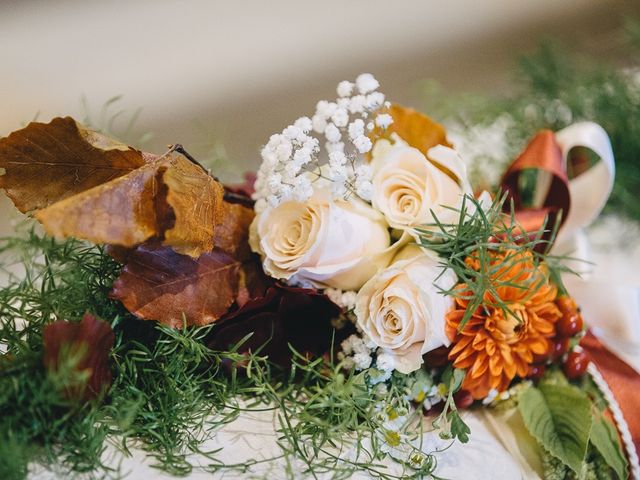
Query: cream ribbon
x=610 y=303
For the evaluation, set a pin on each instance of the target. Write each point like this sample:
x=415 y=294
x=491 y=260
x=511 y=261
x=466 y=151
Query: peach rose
x=323 y=242
x=409 y=188
x=402 y=310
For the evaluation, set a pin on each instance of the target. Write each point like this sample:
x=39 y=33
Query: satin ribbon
x=552 y=190
x=623 y=381
x=575 y=203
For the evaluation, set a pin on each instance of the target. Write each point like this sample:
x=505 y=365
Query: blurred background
x=220 y=77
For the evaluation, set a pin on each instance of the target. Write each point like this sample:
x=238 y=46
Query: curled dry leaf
x=84 y=347
x=45 y=163
x=184 y=247
x=416 y=129
x=160 y=284
x=84 y=185
x=170 y=198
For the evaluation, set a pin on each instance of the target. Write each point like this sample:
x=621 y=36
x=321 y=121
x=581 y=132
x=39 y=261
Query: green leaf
x=458 y=377
x=452 y=378
x=605 y=438
x=459 y=429
x=559 y=417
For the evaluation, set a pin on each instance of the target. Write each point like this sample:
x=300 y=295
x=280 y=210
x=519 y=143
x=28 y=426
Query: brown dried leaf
x=120 y=212
x=184 y=247
x=232 y=233
x=416 y=129
x=196 y=200
x=45 y=163
x=169 y=198
x=160 y=284
x=91 y=187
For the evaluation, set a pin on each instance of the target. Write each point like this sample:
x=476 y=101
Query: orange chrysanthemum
x=496 y=344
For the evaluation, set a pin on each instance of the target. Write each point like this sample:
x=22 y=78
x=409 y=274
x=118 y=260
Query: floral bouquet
x=358 y=256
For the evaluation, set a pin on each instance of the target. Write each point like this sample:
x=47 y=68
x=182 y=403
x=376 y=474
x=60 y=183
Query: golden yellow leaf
x=45 y=163
x=416 y=129
x=170 y=198
x=82 y=184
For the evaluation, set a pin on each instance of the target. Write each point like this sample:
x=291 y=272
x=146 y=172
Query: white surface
x=252 y=437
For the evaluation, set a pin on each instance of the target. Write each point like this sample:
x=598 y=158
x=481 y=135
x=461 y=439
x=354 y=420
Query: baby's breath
x=293 y=160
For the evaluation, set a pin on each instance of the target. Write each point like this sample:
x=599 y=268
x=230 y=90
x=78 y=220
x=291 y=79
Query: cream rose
x=402 y=310
x=408 y=187
x=327 y=243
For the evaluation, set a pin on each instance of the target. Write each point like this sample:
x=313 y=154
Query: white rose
x=338 y=244
x=402 y=310
x=408 y=187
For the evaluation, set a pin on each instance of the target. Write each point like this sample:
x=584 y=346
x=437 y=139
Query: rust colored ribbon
x=622 y=379
x=544 y=153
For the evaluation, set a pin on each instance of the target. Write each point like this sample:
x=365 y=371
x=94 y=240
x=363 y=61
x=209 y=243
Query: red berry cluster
x=571 y=324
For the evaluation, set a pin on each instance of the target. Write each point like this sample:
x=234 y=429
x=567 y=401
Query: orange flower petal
x=493 y=347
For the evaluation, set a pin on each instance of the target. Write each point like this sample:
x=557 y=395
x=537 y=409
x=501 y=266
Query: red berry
x=536 y=372
x=576 y=365
x=566 y=305
x=463 y=399
x=570 y=324
x=560 y=347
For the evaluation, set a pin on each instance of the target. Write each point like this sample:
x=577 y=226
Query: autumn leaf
x=413 y=127
x=184 y=248
x=231 y=234
x=168 y=198
x=160 y=284
x=86 y=186
x=274 y=322
x=45 y=163
x=77 y=355
x=91 y=215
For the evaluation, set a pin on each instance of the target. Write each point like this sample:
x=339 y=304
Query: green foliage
x=170 y=391
x=604 y=438
x=455 y=426
x=477 y=234
x=58 y=281
x=593 y=468
x=14 y=457
x=578 y=440
x=560 y=419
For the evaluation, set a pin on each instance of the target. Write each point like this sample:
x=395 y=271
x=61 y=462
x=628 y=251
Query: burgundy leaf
x=91 y=340
x=159 y=284
x=283 y=316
